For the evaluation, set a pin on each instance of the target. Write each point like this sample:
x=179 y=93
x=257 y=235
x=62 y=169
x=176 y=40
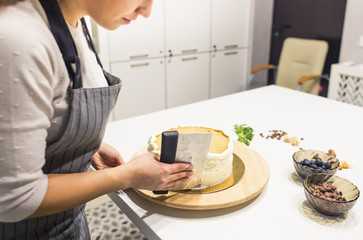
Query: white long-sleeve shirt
x=33 y=103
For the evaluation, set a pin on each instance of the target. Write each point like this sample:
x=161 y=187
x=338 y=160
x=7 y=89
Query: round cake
x=218 y=166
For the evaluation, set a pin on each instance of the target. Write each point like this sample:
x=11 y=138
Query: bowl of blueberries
x=308 y=162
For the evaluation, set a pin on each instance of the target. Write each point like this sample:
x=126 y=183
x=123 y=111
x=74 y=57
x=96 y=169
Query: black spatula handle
x=169 y=143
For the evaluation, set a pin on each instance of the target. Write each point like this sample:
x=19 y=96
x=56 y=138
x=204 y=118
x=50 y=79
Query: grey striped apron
x=82 y=136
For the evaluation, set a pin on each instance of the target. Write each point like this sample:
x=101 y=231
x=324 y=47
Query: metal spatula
x=185 y=148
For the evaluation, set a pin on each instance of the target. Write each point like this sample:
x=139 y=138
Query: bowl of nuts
x=307 y=162
x=330 y=194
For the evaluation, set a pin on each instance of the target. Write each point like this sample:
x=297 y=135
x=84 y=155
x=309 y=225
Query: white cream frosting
x=217 y=169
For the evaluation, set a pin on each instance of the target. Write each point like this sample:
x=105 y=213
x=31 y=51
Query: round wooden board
x=252 y=183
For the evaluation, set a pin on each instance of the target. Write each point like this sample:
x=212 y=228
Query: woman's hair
x=8 y=2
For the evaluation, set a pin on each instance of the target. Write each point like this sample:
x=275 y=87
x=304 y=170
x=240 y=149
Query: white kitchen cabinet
x=187 y=79
x=193 y=70
x=228 y=71
x=187 y=26
x=143 y=38
x=143 y=87
x=231 y=21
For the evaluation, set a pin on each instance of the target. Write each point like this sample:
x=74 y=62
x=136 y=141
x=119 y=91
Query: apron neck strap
x=90 y=41
x=62 y=35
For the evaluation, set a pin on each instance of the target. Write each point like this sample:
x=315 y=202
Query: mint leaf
x=244 y=133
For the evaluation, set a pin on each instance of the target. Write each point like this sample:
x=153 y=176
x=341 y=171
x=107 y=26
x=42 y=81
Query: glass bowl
x=329 y=207
x=305 y=171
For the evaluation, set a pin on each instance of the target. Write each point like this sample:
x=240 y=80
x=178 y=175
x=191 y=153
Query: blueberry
x=320 y=168
x=319 y=162
x=313 y=165
x=327 y=165
x=313 y=162
x=306 y=162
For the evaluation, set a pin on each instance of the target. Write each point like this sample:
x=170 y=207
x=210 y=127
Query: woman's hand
x=106 y=157
x=66 y=191
x=150 y=174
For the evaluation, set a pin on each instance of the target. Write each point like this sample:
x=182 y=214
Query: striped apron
x=82 y=136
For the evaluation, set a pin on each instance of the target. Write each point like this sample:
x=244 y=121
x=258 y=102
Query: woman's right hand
x=150 y=174
x=66 y=191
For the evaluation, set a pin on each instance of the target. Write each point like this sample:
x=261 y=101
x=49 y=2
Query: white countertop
x=281 y=211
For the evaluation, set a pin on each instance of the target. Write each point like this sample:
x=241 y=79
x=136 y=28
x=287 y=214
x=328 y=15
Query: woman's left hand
x=106 y=157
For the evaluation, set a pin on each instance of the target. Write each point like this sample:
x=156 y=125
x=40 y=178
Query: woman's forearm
x=66 y=191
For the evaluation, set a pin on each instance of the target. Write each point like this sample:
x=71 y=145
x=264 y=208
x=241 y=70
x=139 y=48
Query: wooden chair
x=300 y=66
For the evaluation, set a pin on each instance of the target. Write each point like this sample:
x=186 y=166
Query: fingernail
x=189 y=167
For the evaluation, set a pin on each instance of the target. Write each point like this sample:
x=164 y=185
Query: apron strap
x=90 y=41
x=93 y=47
x=60 y=31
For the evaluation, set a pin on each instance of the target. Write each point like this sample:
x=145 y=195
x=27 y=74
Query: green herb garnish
x=244 y=133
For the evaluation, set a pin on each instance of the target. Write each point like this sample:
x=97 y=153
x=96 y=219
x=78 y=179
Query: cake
x=218 y=166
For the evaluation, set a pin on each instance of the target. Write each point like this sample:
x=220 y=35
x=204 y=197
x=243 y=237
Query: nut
x=294 y=141
x=327 y=191
x=287 y=139
x=331 y=152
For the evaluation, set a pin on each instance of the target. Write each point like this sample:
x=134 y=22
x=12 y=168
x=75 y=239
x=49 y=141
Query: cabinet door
x=187 y=79
x=143 y=38
x=143 y=87
x=228 y=72
x=187 y=26
x=231 y=21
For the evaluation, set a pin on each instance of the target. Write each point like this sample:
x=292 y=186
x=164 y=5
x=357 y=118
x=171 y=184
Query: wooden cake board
x=254 y=179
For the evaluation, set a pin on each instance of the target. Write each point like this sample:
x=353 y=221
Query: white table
x=281 y=211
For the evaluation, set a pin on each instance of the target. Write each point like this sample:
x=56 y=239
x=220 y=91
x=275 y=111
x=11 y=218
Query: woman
x=55 y=101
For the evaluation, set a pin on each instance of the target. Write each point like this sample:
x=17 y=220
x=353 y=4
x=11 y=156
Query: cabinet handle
x=139 y=56
x=139 y=65
x=189 y=51
x=230 y=46
x=189 y=59
x=230 y=53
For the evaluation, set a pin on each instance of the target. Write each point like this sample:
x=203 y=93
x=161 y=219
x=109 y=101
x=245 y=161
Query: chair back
x=301 y=57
